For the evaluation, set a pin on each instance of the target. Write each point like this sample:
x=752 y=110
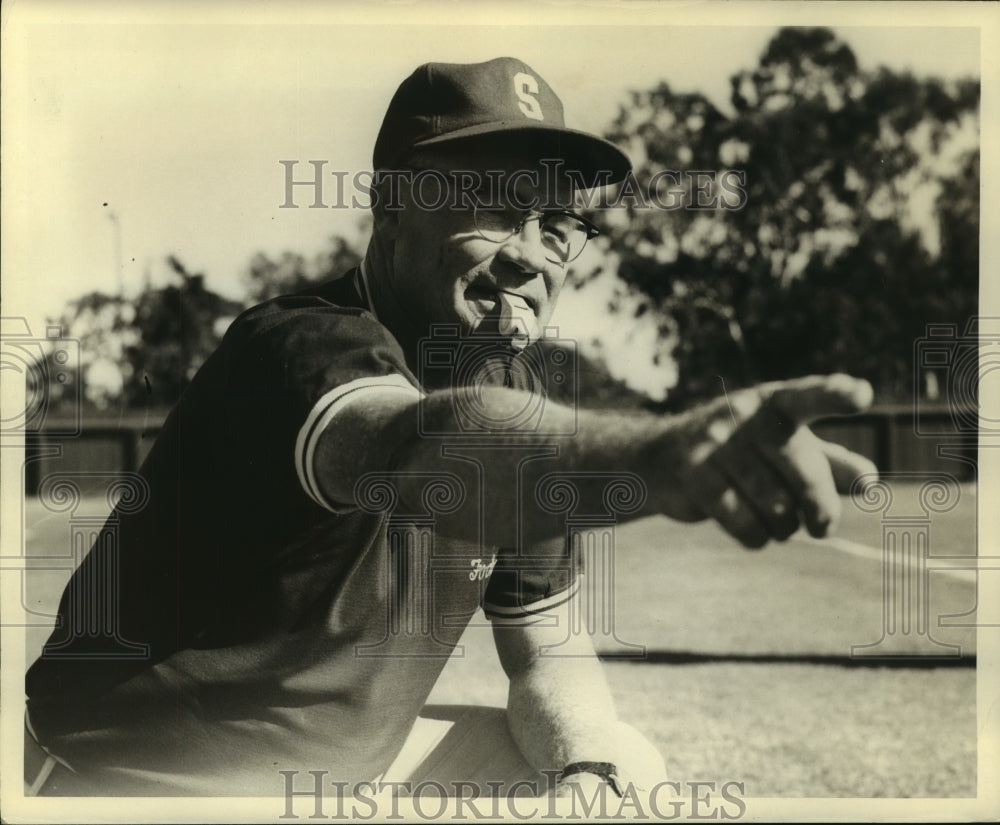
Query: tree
x=143 y=353
x=855 y=231
x=102 y=324
x=177 y=327
x=267 y=278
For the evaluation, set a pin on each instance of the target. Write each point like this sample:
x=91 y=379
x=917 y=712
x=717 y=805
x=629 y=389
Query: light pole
x=119 y=269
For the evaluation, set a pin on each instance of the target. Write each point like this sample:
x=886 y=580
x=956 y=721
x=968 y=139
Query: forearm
x=746 y=460
x=561 y=712
x=503 y=472
x=500 y=474
x=560 y=709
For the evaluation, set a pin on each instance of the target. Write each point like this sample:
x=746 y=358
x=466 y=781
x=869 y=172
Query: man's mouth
x=504 y=313
x=486 y=298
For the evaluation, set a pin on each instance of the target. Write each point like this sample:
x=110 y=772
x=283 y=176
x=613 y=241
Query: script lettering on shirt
x=481 y=571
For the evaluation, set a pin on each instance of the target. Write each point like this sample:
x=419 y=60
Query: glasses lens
x=564 y=235
x=496 y=223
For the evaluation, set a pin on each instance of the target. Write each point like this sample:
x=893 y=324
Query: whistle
x=517 y=320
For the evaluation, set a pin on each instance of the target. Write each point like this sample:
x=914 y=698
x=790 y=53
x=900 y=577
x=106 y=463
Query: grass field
x=746 y=670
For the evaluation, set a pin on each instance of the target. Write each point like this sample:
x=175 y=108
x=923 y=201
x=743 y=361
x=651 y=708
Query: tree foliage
x=290 y=272
x=100 y=323
x=176 y=328
x=142 y=353
x=859 y=227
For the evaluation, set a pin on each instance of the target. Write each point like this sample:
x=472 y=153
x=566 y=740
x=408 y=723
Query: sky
x=128 y=136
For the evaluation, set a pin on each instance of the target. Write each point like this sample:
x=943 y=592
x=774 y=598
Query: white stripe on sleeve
x=525 y=614
x=325 y=410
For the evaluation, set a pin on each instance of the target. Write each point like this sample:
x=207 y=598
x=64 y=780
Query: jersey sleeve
x=300 y=365
x=323 y=416
x=525 y=585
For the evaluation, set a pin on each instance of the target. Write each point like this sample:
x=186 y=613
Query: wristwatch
x=606 y=770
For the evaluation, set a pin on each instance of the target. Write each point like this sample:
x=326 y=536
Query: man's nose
x=524 y=249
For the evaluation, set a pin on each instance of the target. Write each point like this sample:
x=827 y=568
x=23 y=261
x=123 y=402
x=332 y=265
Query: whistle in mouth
x=517 y=320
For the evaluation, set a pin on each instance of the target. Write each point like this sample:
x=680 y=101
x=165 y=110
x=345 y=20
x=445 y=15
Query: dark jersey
x=253 y=625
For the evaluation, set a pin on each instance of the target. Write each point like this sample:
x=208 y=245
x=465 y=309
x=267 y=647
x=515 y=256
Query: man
x=292 y=607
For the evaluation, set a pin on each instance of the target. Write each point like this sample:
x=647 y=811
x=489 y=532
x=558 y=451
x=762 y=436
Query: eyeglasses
x=564 y=233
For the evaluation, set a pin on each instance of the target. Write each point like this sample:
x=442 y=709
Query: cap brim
x=599 y=161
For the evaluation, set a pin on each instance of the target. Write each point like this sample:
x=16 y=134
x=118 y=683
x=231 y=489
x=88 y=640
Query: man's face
x=444 y=271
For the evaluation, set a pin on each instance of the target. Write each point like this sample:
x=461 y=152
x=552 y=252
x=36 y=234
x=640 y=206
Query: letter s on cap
x=526 y=87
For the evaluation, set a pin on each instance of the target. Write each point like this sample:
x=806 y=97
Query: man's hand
x=749 y=461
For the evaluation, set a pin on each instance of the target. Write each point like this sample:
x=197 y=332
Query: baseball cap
x=503 y=97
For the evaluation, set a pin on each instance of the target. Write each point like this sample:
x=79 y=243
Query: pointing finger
x=763 y=490
x=739 y=520
x=802 y=400
x=806 y=470
x=847 y=467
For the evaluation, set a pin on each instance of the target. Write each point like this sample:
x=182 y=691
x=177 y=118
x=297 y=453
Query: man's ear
x=386 y=223
x=386 y=214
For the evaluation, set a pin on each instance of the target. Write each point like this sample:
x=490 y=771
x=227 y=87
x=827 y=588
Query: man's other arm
x=559 y=708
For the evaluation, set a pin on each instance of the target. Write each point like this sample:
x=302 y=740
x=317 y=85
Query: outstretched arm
x=747 y=460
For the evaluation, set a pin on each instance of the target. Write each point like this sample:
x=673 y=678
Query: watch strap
x=608 y=771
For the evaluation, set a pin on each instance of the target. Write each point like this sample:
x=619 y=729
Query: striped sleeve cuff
x=530 y=612
x=325 y=410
